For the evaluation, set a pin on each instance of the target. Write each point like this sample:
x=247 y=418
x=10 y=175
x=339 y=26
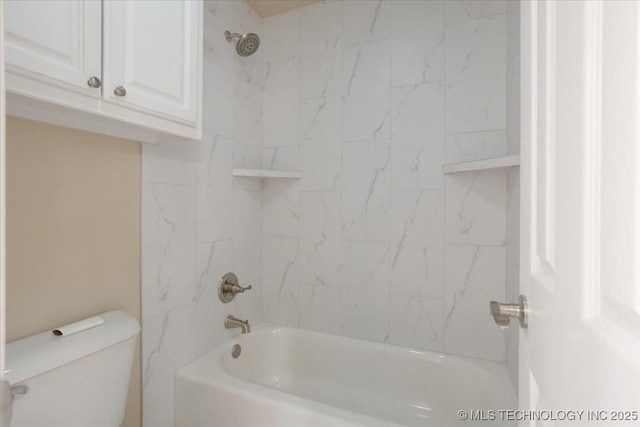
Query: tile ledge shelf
x=266 y=173
x=496 y=163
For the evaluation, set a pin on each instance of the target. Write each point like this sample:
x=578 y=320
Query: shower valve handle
x=234 y=289
x=229 y=287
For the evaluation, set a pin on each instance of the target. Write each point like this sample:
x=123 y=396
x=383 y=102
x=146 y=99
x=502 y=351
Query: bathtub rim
x=220 y=379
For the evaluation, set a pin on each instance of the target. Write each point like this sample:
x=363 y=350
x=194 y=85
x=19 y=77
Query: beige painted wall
x=73 y=231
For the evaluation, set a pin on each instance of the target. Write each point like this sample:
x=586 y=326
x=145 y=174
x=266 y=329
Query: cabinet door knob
x=120 y=91
x=94 y=82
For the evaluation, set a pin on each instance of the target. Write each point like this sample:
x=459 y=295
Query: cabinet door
x=153 y=55
x=55 y=42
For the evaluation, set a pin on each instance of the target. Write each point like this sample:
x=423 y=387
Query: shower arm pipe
x=230 y=36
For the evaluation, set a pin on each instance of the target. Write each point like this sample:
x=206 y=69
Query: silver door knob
x=502 y=313
x=94 y=82
x=120 y=91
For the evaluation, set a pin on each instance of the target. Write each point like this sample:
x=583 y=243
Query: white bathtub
x=291 y=377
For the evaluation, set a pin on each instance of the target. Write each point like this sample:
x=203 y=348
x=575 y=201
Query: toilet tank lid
x=43 y=352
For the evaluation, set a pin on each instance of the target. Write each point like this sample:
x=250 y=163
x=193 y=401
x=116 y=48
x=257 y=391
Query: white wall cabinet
x=58 y=43
x=126 y=68
x=150 y=47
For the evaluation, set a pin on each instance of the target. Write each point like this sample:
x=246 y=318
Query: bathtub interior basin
x=358 y=382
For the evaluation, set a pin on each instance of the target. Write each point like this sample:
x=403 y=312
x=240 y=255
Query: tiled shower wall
x=368 y=99
x=197 y=221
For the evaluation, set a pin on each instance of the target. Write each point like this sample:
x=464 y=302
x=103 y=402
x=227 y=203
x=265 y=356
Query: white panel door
x=151 y=51
x=6 y=402
x=580 y=241
x=57 y=42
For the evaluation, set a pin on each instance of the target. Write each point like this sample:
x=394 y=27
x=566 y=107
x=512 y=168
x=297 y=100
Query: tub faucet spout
x=233 y=322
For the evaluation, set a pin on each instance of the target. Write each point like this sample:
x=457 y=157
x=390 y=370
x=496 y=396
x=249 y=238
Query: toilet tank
x=78 y=380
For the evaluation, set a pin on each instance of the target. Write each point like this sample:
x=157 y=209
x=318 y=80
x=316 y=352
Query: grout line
x=475 y=244
x=341 y=285
x=422 y=83
x=390 y=174
x=477 y=131
x=444 y=189
x=464 y=21
x=299 y=138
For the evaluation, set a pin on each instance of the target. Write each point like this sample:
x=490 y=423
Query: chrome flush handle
x=19 y=390
x=8 y=394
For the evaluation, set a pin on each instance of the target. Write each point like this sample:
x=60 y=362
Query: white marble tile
x=281 y=158
x=219 y=13
x=249 y=306
x=168 y=342
x=513 y=233
x=417 y=42
x=248 y=70
x=365 y=265
x=281 y=208
x=474 y=275
x=513 y=269
x=476 y=75
x=280 y=103
x=248 y=74
x=243 y=183
x=513 y=77
x=320 y=308
x=247 y=231
x=280 y=278
x=470 y=146
x=365 y=20
x=248 y=257
x=365 y=313
x=214 y=260
x=168 y=247
x=365 y=91
x=321 y=143
x=476 y=211
x=215 y=189
x=417 y=58
x=416 y=322
x=219 y=71
x=320 y=50
x=170 y=164
x=365 y=191
x=415 y=16
x=320 y=238
x=247 y=20
x=417 y=243
x=280 y=39
x=417 y=137
x=248 y=133
x=465 y=10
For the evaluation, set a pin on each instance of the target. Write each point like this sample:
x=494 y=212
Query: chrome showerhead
x=247 y=43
